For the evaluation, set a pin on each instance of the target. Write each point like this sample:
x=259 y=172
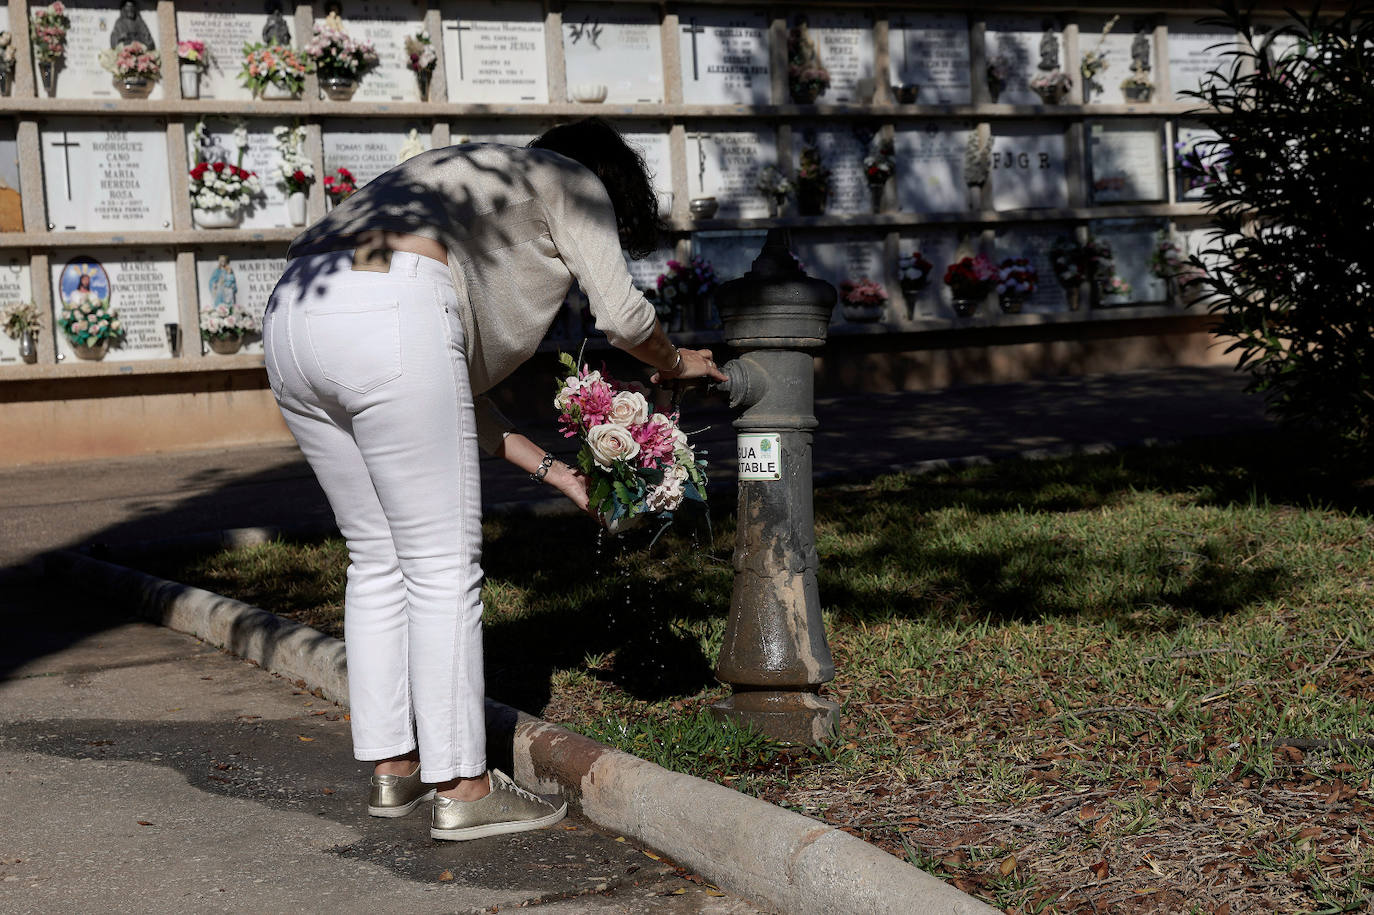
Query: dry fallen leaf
x=712 y=891
x=677 y=892
x=1008 y=865
x=1100 y=870
x=446 y=875
x=654 y=856
x=144 y=823
x=306 y=739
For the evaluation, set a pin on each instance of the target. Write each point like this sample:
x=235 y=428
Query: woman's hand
x=574 y=484
x=696 y=363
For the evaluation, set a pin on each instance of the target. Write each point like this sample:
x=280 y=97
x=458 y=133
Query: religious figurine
x=1140 y=52
x=1049 y=49
x=411 y=147
x=129 y=27
x=275 y=31
x=224 y=287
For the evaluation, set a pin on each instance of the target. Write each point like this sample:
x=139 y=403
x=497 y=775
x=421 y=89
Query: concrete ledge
x=774 y=857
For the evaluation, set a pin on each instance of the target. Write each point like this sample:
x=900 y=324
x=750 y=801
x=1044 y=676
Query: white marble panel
x=725 y=56
x=105 y=174
x=494 y=51
x=616 y=46
x=931 y=50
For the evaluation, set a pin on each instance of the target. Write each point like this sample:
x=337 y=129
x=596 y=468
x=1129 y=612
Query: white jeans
x=370 y=372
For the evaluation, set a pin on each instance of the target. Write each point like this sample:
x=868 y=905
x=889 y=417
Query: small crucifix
x=457 y=26
x=694 y=30
x=701 y=160
x=66 y=146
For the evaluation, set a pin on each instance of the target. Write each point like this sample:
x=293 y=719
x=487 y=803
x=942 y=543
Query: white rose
x=666 y=496
x=629 y=408
x=611 y=442
x=676 y=472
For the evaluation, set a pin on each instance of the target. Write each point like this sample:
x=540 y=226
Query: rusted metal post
x=775 y=654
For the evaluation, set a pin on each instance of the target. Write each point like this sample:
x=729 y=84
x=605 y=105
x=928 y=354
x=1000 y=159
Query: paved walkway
x=168 y=496
x=146 y=772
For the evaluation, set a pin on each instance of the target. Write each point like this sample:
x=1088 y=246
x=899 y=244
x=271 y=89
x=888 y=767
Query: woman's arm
x=528 y=456
x=673 y=363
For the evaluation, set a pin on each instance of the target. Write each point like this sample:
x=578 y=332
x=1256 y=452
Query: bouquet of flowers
x=1095 y=61
x=1098 y=258
x=913 y=270
x=18 y=318
x=221 y=186
x=7 y=55
x=1051 y=82
x=420 y=55
x=880 y=163
x=340 y=185
x=1137 y=80
x=1016 y=282
x=1167 y=259
x=807 y=77
x=1114 y=285
x=1069 y=259
x=638 y=462
x=864 y=300
x=1202 y=163
x=226 y=322
x=132 y=59
x=194 y=53
x=48 y=31
x=295 y=172
x=273 y=65
x=686 y=283
x=971 y=277
x=335 y=54
x=773 y=184
x=91 y=321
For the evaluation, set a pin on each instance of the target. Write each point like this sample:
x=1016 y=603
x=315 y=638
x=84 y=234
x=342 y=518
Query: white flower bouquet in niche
x=639 y=462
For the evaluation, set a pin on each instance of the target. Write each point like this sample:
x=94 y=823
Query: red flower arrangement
x=971 y=277
x=340 y=185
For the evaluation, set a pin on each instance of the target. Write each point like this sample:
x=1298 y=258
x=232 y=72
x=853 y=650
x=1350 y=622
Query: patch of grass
x=1095 y=665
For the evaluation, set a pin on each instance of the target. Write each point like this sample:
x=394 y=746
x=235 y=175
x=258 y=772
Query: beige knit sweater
x=520 y=226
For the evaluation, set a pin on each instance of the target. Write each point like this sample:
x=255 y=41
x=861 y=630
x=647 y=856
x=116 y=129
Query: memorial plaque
x=252 y=273
x=1105 y=87
x=1133 y=242
x=728 y=164
x=930 y=172
x=615 y=46
x=15 y=288
x=1194 y=51
x=931 y=50
x=939 y=248
x=81 y=75
x=11 y=206
x=224 y=34
x=105 y=174
x=725 y=56
x=1127 y=161
x=842 y=150
x=367 y=152
x=142 y=288
x=844 y=41
x=261 y=158
x=1034 y=243
x=387 y=25
x=730 y=254
x=1015 y=41
x=494 y=51
x=506 y=133
x=656 y=150
x=1028 y=168
x=1195 y=160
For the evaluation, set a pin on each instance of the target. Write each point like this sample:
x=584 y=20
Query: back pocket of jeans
x=357 y=345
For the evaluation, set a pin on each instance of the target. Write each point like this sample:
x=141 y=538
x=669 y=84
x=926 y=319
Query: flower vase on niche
x=863 y=302
x=28 y=346
x=48 y=27
x=296 y=208
x=223 y=323
x=1016 y=282
x=190 y=81
x=87 y=320
x=1137 y=87
x=421 y=60
x=340 y=61
x=192 y=58
x=20 y=322
x=913 y=272
x=879 y=166
x=807 y=77
x=813 y=182
x=134 y=65
x=970 y=279
x=1050 y=83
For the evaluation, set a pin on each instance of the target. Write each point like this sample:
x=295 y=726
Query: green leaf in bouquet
x=566 y=360
x=623 y=494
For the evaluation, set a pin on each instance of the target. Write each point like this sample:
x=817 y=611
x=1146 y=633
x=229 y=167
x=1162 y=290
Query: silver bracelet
x=678 y=364
x=544 y=465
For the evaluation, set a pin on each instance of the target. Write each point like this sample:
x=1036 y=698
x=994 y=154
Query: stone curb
x=774 y=857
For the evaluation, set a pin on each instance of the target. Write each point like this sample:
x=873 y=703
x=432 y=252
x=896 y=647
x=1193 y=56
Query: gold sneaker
x=508 y=808
x=397 y=795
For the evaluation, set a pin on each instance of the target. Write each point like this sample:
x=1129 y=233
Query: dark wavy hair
x=597 y=145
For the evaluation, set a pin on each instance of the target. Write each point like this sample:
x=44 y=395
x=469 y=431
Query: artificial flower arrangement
x=880 y=163
x=8 y=59
x=226 y=322
x=1069 y=260
x=1114 y=286
x=807 y=77
x=913 y=270
x=1095 y=60
x=90 y=322
x=773 y=184
x=1202 y=163
x=1138 y=84
x=1101 y=265
x=48 y=31
x=1017 y=279
x=683 y=284
x=813 y=181
x=421 y=58
x=970 y=279
x=337 y=55
x=191 y=53
x=1167 y=259
x=18 y=319
x=340 y=185
x=864 y=300
x=276 y=65
x=221 y=186
x=1050 y=85
x=134 y=59
x=294 y=171
x=639 y=463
